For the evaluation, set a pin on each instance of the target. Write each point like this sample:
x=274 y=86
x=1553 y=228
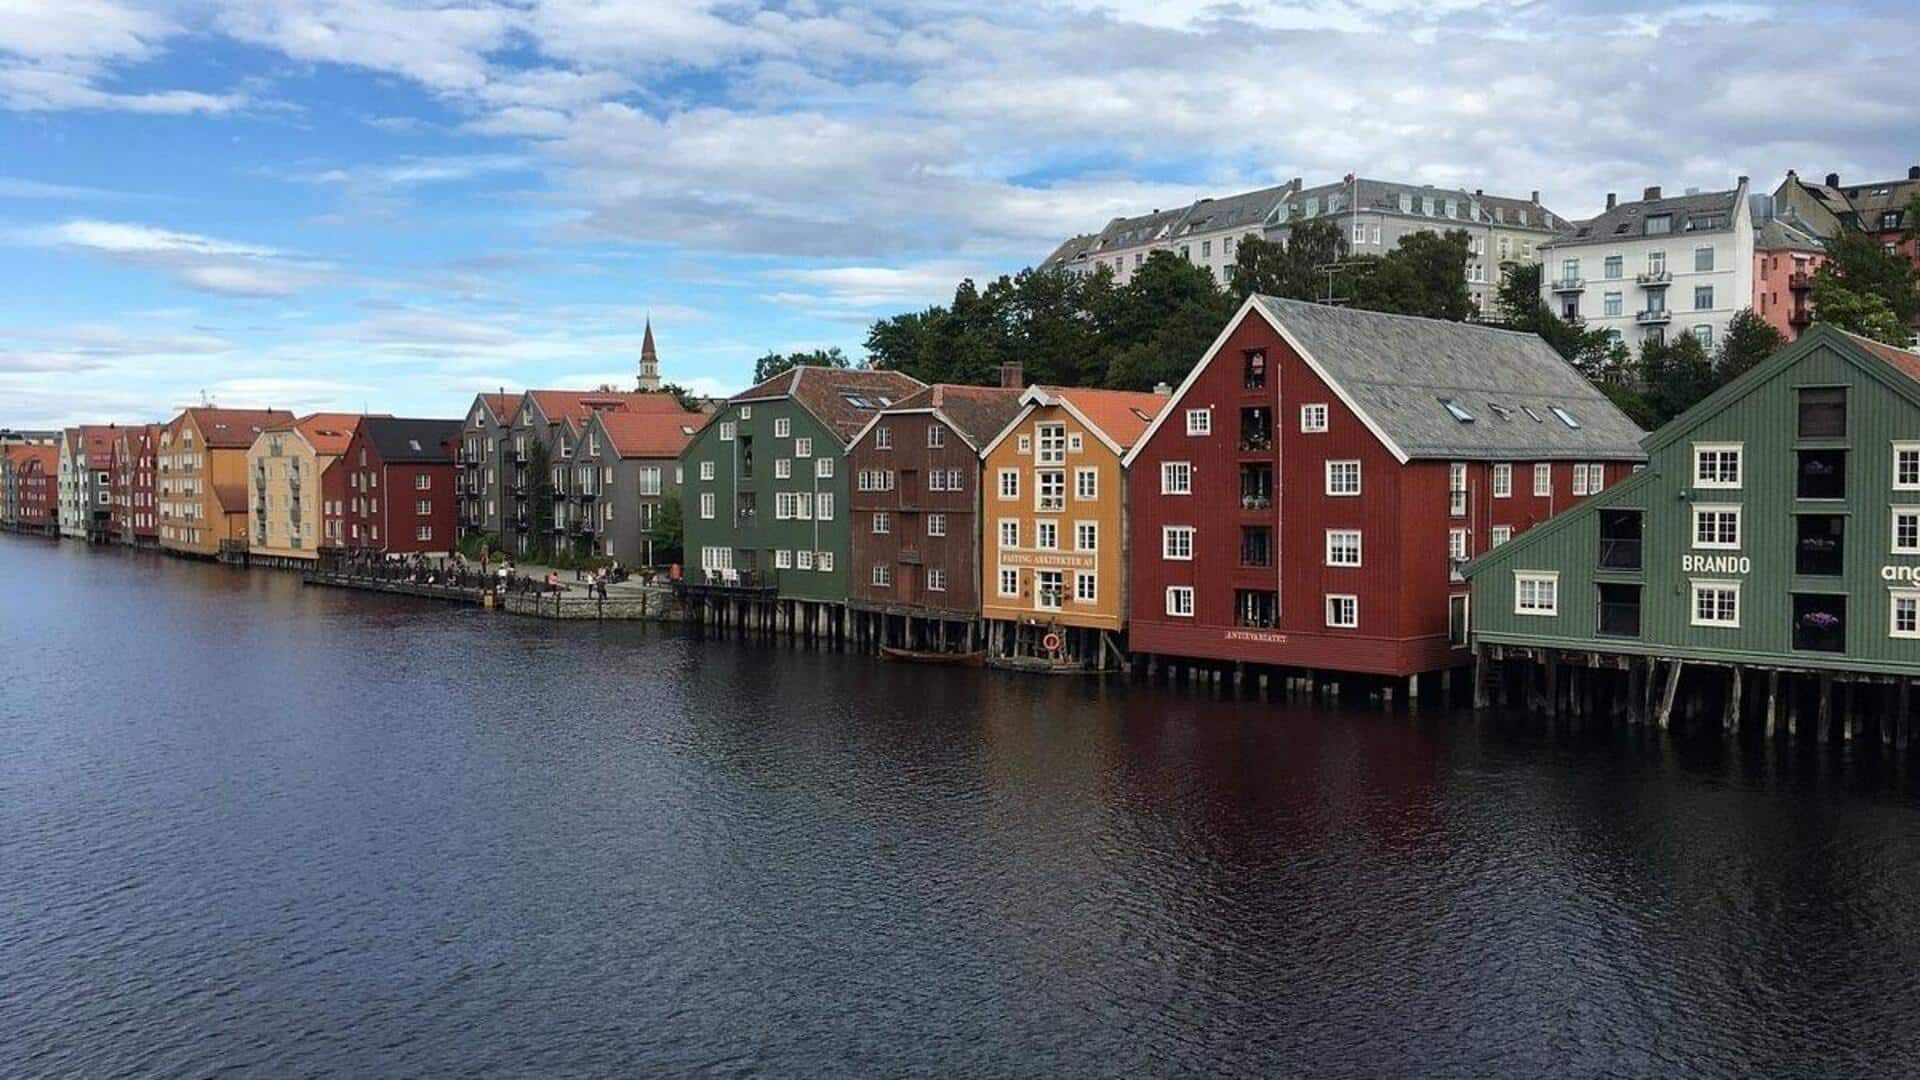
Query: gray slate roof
x=1399 y=370
x=1387 y=197
x=404 y=439
x=1247 y=210
x=1628 y=220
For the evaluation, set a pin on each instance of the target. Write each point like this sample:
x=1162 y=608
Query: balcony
x=1654 y=279
x=1256 y=609
x=729 y=581
x=1569 y=285
x=1800 y=281
x=1653 y=317
x=1800 y=317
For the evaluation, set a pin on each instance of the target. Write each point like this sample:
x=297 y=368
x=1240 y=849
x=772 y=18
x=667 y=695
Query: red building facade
x=39 y=483
x=1309 y=495
x=915 y=491
x=135 y=518
x=398 y=493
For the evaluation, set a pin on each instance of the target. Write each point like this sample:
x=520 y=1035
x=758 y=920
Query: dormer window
x=1659 y=224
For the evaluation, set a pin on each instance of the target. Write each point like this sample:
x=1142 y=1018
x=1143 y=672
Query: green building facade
x=764 y=484
x=1776 y=525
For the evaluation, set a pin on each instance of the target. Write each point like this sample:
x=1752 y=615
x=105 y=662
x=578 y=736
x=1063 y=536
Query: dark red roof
x=235 y=429
x=1907 y=362
x=844 y=399
x=978 y=413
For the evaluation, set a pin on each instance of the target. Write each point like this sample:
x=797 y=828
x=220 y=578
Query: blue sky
x=397 y=203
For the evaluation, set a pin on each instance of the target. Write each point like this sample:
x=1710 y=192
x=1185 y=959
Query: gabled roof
x=1430 y=388
x=1698 y=214
x=843 y=399
x=411 y=439
x=234 y=429
x=327 y=433
x=504 y=407
x=1778 y=234
x=1906 y=360
x=38 y=454
x=1390 y=197
x=1118 y=418
x=975 y=413
x=578 y=406
x=649 y=434
x=96 y=442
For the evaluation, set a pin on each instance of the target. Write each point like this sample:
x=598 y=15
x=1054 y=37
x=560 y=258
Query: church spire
x=649 y=362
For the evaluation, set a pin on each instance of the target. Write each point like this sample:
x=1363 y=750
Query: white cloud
x=199 y=262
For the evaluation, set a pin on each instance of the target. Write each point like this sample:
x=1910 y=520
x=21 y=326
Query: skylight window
x=1459 y=413
x=414 y=445
x=857 y=401
x=1537 y=418
x=1500 y=411
x=1566 y=417
x=1142 y=415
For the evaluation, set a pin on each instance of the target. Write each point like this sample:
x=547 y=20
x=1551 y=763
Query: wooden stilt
x=1850 y=724
x=1730 y=719
x=1773 y=702
x=1636 y=690
x=1665 y=716
x=1480 y=697
x=1902 y=690
x=1824 y=731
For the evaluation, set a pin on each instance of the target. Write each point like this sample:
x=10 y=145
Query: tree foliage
x=1749 y=340
x=774 y=363
x=1863 y=289
x=668 y=532
x=539 y=476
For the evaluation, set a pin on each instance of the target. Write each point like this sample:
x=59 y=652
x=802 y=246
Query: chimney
x=1743 y=180
x=1612 y=200
x=1913 y=172
x=1013 y=376
x=1536 y=198
x=1833 y=179
x=1163 y=389
x=1651 y=193
x=1480 y=193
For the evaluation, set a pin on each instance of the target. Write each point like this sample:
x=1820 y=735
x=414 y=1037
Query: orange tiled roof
x=1907 y=362
x=328 y=433
x=579 y=405
x=235 y=429
x=651 y=434
x=504 y=406
x=1124 y=415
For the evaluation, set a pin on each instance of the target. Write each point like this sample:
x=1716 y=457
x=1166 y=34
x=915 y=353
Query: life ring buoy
x=1051 y=642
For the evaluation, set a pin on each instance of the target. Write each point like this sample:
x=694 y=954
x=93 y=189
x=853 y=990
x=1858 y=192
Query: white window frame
x=1086 y=536
x=727 y=430
x=1346 y=603
x=706 y=506
x=1086 y=483
x=1180 y=602
x=882 y=439
x=1543 y=480
x=882 y=524
x=783 y=468
x=936 y=579
x=1700 y=585
x=1313 y=419
x=706 y=470
x=783 y=558
x=803 y=447
x=1335 y=544
x=1501 y=534
x=1900 y=448
x=1539 y=579
x=936 y=438
x=1739 y=526
x=1004 y=523
x=782 y=427
x=1893 y=533
x=1009 y=485
x=1199 y=422
x=1046 y=535
x=1168 y=546
x=1090 y=594
x=1458 y=544
x=936 y=524
x=823 y=468
x=1739 y=452
x=1009 y=574
x=1172 y=470
x=1894 y=599
x=1502 y=481
x=1331 y=466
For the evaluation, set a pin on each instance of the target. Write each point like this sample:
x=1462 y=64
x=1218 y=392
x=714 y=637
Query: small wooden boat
x=924 y=656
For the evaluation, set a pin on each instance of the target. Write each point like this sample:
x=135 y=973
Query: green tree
x=774 y=363
x=1749 y=339
x=1856 y=272
x=668 y=532
x=540 y=500
x=1159 y=324
x=1674 y=375
x=1859 y=312
x=1295 y=270
x=688 y=400
x=1518 y=297
x=1425 y=274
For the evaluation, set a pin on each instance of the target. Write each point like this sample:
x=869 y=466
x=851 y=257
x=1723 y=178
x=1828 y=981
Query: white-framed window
x=746 y=412
x=882 y=440
x=650 y=480
x=882 y=575
x=1536 y=592
x=1180 y=601
x=1050 y=490
x=1906 y=530
x=706 y=505
x=1009 y=484
x=1176 y=542
x=1904 y=613
x=422 y=507
x=1703 y=259
x=936 y=438
x=1086 y=587
x=1457 y=544
x=1046 y=535
x=882 y=523
x=423 y=482
x=1343 y=611
x=936 y=579
x=1023 y=445
x=727 y=430
x=823 y=506
x=803 y=560
x=1503 y=481
x=1343 y=547
x=1501 y=534
x=1086 y=536
x=1086 y=484
x=803 y=447
x=1052 y=443
x=1199 y=421
x=1906 y=466
x=1716 y=603
x=823 y=468
x=1717 y=465
x=1716 y=528
x=782 y=427
x=1580 y=489
x=1543 y=480
x=782 y=468
x=1009 y=532
x=936 y=524
x=823 y=561
x=782 y=559
x=1176 y=478
x=1075 y=444
x=1009 y=581
x=1596 y=478
x=1343 y=478
x=1457 y=489
x=706 y=470
x=1313 y=418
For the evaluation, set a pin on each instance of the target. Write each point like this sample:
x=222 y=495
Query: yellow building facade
x=285 y=497
x=201 y=481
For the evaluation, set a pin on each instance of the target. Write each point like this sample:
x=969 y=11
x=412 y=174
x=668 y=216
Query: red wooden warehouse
x=399 y=494
x=1306 y=500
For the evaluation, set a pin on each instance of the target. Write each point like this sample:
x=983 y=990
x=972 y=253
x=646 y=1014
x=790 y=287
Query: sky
x=395 y=204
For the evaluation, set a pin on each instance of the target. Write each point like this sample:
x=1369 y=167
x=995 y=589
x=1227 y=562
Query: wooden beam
x=1773 y=701
x=1673 y=688
x=1730 y=720
x=1824 y=731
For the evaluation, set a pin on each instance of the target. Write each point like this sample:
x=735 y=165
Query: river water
x=251 y=827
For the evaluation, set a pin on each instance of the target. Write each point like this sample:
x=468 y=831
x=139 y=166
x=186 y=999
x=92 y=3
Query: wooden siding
x=1107 y=511
x=906 y=548
x=1762 y=417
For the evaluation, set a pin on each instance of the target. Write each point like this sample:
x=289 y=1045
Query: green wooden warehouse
x=1763 y=567
x=764 y=499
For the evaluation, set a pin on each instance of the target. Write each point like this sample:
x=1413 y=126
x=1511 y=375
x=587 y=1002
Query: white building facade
x=1654 y=269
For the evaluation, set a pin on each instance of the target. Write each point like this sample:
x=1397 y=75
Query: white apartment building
x=1372 y=214
x=1657 y=268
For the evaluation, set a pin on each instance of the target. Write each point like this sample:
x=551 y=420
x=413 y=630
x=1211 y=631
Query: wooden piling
x=1773 y=702
x=1730 y=719
x=1824 y=729
x=1665 y=716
